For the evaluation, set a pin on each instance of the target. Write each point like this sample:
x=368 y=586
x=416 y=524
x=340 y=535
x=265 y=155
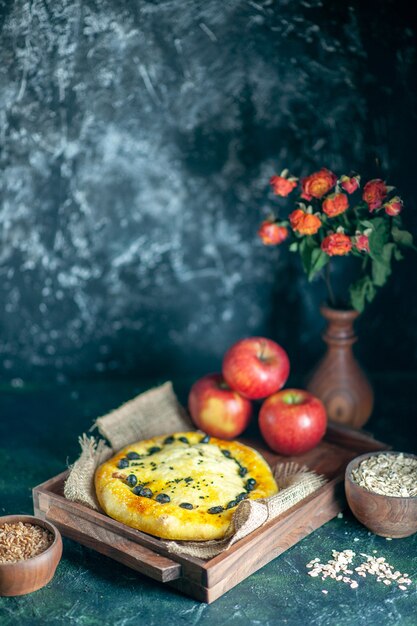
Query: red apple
x=216 y=409
x=292 y=421
x=256 y=367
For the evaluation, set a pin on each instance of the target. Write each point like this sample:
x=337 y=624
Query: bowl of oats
x=30 y=550
x=381 y=490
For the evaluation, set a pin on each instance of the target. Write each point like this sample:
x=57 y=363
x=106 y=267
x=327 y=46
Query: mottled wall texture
x=137 y=138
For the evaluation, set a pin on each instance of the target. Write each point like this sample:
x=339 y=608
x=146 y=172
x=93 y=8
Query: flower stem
x=332 y=299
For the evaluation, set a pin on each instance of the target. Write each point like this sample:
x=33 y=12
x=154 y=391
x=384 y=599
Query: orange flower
x=317 y=184
x=282 y=186
x=271 y=233
x=336 y=244
x=335 y=204
x=361 y=242
x=304 y=223
x=374 y=193
x=350 y=183
x=394 y=206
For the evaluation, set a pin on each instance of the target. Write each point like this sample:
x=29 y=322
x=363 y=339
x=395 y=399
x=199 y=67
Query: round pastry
x=184 y=486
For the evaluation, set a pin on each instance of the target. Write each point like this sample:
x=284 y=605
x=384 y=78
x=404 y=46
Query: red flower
x=271 y=233
x=362 y=242
x=350 y=183
x=304 y=223
x=374 y=193
x=394 y=206
x=317 y=184
x=335 y=204
x=282 y=186
x=336 y=244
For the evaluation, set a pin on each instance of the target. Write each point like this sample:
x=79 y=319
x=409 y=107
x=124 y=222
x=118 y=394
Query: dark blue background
x=136 y=144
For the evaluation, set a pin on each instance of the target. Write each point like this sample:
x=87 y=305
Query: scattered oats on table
x=340 y=568
x=388 y=474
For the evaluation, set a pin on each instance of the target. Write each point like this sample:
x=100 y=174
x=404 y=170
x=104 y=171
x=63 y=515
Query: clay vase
x=338 y=379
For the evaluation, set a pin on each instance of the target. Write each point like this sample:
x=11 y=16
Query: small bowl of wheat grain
x=30 y=550
x=381 y=490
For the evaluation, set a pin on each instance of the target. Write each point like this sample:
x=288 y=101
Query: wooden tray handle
x=359 y=440
x=116 y=547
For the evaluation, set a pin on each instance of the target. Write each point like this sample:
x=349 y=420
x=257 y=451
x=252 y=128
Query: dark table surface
x=39 y=427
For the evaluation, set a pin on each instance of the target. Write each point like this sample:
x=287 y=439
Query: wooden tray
x=208 y=580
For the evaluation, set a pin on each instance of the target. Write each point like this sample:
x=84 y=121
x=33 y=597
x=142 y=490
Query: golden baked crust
x=180 y=480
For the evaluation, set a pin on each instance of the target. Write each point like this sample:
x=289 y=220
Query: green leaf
x=356 y=253
x=307 y=246
x=380 y=273
x=293 y=247
x=318 y=260
x=402 y=237
x=387 y=252
x=398 y=255
x=304 y=254
x=381 y=268
x=361 y=292
x=378 y=237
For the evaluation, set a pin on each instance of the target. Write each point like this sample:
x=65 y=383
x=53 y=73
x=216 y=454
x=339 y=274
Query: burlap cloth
x=158 y=412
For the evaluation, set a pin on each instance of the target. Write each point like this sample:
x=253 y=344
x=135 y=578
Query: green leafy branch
x=385 y=245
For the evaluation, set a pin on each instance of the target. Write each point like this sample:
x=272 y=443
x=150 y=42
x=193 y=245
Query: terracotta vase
x=338 y=380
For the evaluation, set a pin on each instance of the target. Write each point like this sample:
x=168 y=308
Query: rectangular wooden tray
x=208 y=580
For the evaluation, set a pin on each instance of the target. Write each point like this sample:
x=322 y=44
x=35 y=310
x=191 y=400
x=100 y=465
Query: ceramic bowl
x=387 y=516
x=31 y=574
